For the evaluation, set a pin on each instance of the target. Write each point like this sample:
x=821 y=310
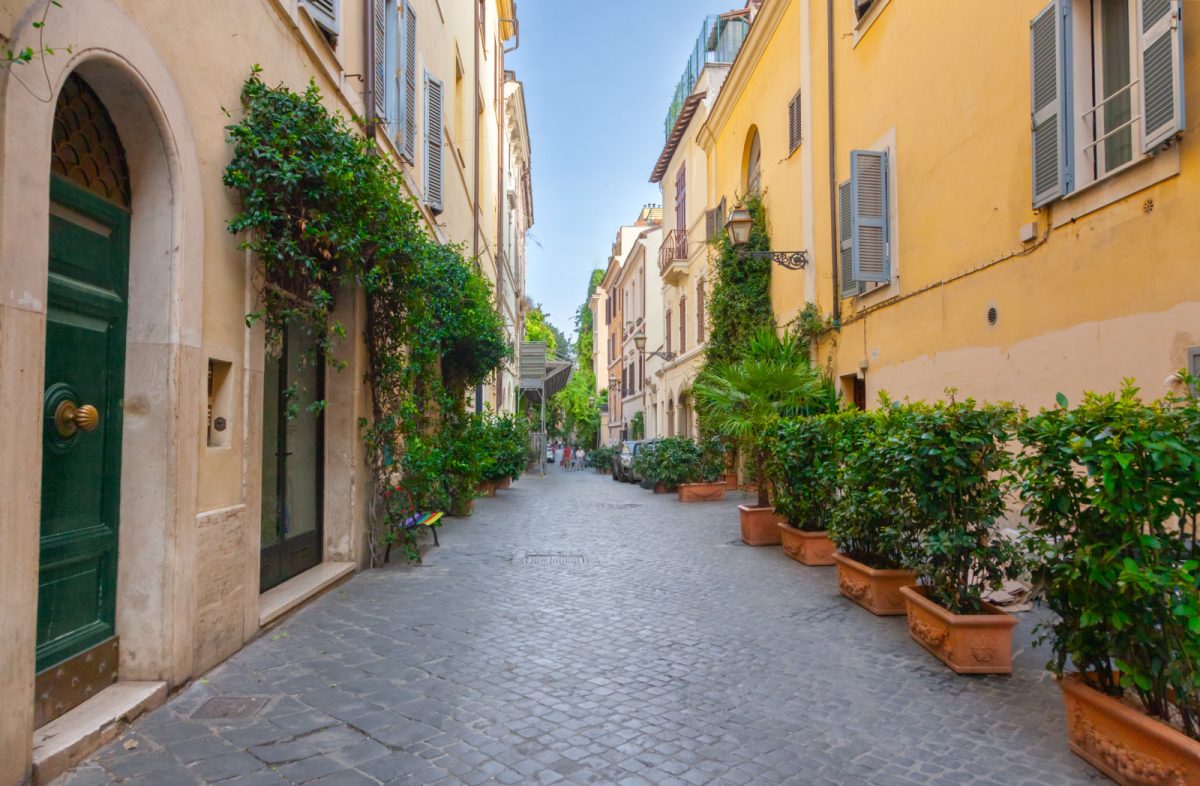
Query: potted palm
x=741 y=400
x=949 y=471
x=1111 y=489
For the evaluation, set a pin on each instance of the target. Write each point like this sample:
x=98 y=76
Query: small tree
x=741 y=399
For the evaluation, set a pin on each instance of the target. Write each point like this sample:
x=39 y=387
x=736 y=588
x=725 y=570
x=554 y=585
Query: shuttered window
x=681 y=200
x=1160 y=32
x=408 y=67
x=794 y=133
x=325 y=13
x=668 y=331
x=849 y=287
x=1051 y=107
x=379 y=57
x=682 y=324
x=700 y=312
x=434 y=143
x=714 y=221
x=869 y=200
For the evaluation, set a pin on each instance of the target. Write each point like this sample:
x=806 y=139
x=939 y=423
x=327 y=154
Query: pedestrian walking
x=566 y=457
x=582 y=458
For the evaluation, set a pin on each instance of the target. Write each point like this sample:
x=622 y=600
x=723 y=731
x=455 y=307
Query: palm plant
x=741 y=399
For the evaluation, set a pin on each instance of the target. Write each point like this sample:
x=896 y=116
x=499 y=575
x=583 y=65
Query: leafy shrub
x=862 y=522
x=803 y=467
x=1112 y=492
x=646 y=461
x=601 y=457
x=675 y=460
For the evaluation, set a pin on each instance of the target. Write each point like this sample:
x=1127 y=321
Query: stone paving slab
x=669 y=654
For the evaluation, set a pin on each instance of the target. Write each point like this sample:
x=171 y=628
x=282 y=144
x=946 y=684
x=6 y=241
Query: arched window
x=754 y=165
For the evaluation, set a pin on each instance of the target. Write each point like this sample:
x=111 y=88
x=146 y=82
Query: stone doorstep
x=278 y=601
x=64 y=742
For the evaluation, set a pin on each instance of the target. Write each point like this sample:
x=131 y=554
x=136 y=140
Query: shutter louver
x=1050 y=90
x=434 y=140
x=324 y=13
x=1160 y=32
x=379 y=47
x=710 y=224
x=682 y=324
x=409 y=65
x=846 y=235
x=794 y=132
x=869 y=211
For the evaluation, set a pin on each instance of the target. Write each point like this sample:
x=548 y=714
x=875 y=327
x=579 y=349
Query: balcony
x=721 y=38
x=673 y=256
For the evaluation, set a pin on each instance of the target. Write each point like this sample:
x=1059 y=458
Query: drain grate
x=228 y=708
x=620 y=505
x=552 y=559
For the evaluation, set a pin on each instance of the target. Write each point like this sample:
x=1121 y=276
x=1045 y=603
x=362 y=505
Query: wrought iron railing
x=721 y=38
x=675 y=246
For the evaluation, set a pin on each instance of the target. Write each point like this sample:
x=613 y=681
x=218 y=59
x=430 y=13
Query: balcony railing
x=674 y=248
x=721 y=37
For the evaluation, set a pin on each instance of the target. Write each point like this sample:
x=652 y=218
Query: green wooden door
x=81 y=455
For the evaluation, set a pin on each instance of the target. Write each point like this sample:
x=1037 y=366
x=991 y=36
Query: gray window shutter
x=849 y=286
x=794 y=132
x=870 y=255
x=324 y=13
x=379 y=49
x=1160 y=30
x=710 y=224
x=1049 y=35
x=434 y=141
x=409 y=65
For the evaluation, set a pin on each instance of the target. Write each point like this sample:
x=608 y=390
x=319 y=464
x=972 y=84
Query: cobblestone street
x=646 y=645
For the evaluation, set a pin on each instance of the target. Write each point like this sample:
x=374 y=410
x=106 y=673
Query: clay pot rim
x=756 y=508
x=804 y=533
x=992 y=617
x=854 y=564
x=702 y=483
x=1074 y=684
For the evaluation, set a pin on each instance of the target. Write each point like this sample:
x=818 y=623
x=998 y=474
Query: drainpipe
x=833 y=223
x=370 y=87
x=478 y=109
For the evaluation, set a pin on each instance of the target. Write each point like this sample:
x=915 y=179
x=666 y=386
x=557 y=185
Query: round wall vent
x=993 y=315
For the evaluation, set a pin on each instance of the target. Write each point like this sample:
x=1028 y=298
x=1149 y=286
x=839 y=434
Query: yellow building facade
x=992 y=198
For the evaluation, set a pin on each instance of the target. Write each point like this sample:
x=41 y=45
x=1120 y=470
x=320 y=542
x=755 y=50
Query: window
x=865 y=239
x=434 y=141
x=700 y=312
x=326 y=13
x=667 y=333
x=754 y=166
x=861 y=7
x=794 y=133
x=387 y=55
x=681 y=200
x=1107 y=88
x=715 y=221
x=682 y=324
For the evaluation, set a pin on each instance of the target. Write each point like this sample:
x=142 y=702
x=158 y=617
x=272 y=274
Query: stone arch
x=164 y=371
x=752 y=162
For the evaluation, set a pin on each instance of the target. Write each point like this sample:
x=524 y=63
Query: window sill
x=879 y=294
x=1135 y=177
x=863 y=25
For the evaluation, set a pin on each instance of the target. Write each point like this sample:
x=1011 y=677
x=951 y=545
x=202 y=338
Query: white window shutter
x=409 y=66
x=1050 y=57
x=869 y=208
x=1160 y=33
x=849 y=286
x=325 y=13
x=379 y=49
x=434 y=141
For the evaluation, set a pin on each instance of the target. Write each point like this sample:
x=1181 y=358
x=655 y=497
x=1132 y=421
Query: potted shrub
x=1111 y=489
x=697 y=468
x=741 y=400
x=862 y=523
x=462 y=440
x=647 y=465
x=802 y=467
x=950 y=470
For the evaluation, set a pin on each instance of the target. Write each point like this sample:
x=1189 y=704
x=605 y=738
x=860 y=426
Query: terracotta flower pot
x=701 y=492
x=731 y=481
x=506 y=483
x=461 y=508
x=967 y=643
x=660 y=488
x=759 y=525
x=877 y=591
x=486 y=488
x=807 y=548
x=1126 y=745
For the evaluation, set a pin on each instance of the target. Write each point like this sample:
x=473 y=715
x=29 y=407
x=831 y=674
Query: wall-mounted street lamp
x=739 y=224
x=639 y=341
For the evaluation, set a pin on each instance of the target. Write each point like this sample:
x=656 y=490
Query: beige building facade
x=125 y=360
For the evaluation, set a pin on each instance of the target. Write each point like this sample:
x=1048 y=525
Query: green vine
x=324 y=216
x=740 y=303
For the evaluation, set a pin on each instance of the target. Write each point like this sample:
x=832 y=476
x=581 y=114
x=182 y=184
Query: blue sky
x=598 y=78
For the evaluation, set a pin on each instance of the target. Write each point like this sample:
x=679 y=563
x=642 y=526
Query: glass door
x=293 y=460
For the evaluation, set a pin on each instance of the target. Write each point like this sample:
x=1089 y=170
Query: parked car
x=623 y=462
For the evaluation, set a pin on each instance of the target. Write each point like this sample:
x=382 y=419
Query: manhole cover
x=229 y=707
x=553 y=559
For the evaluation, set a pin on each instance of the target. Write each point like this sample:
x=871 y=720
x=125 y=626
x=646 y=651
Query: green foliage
x=646 y=461
x=601 y=457
x=637 y=426
x=538 y=329
x=583 y=323
x=1111 y=488
x=863 y=522
x=740 y=303
x=577 y=407
x=742 y=399
x=675 y=460
x=323 y=214
x=805 y=455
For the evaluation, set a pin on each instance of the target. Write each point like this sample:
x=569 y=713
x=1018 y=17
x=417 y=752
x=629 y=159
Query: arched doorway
x=86 y=316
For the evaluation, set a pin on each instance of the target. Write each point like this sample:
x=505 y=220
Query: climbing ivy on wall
x=324 y=216
x=740 y=303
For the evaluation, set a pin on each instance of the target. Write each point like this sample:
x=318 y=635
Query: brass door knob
x=68 y=418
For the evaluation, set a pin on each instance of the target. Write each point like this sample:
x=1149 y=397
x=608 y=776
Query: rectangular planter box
x=506 y=483
x=660 y=488
x=808 y=548
x=877 y=591
x=759 y=525
x=702 y=492
x=731 y=481
x=487 y=488
x=1126 y=745
x=967 y=643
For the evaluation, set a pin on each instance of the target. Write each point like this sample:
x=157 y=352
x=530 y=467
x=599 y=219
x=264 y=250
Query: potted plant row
x=741 y=400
